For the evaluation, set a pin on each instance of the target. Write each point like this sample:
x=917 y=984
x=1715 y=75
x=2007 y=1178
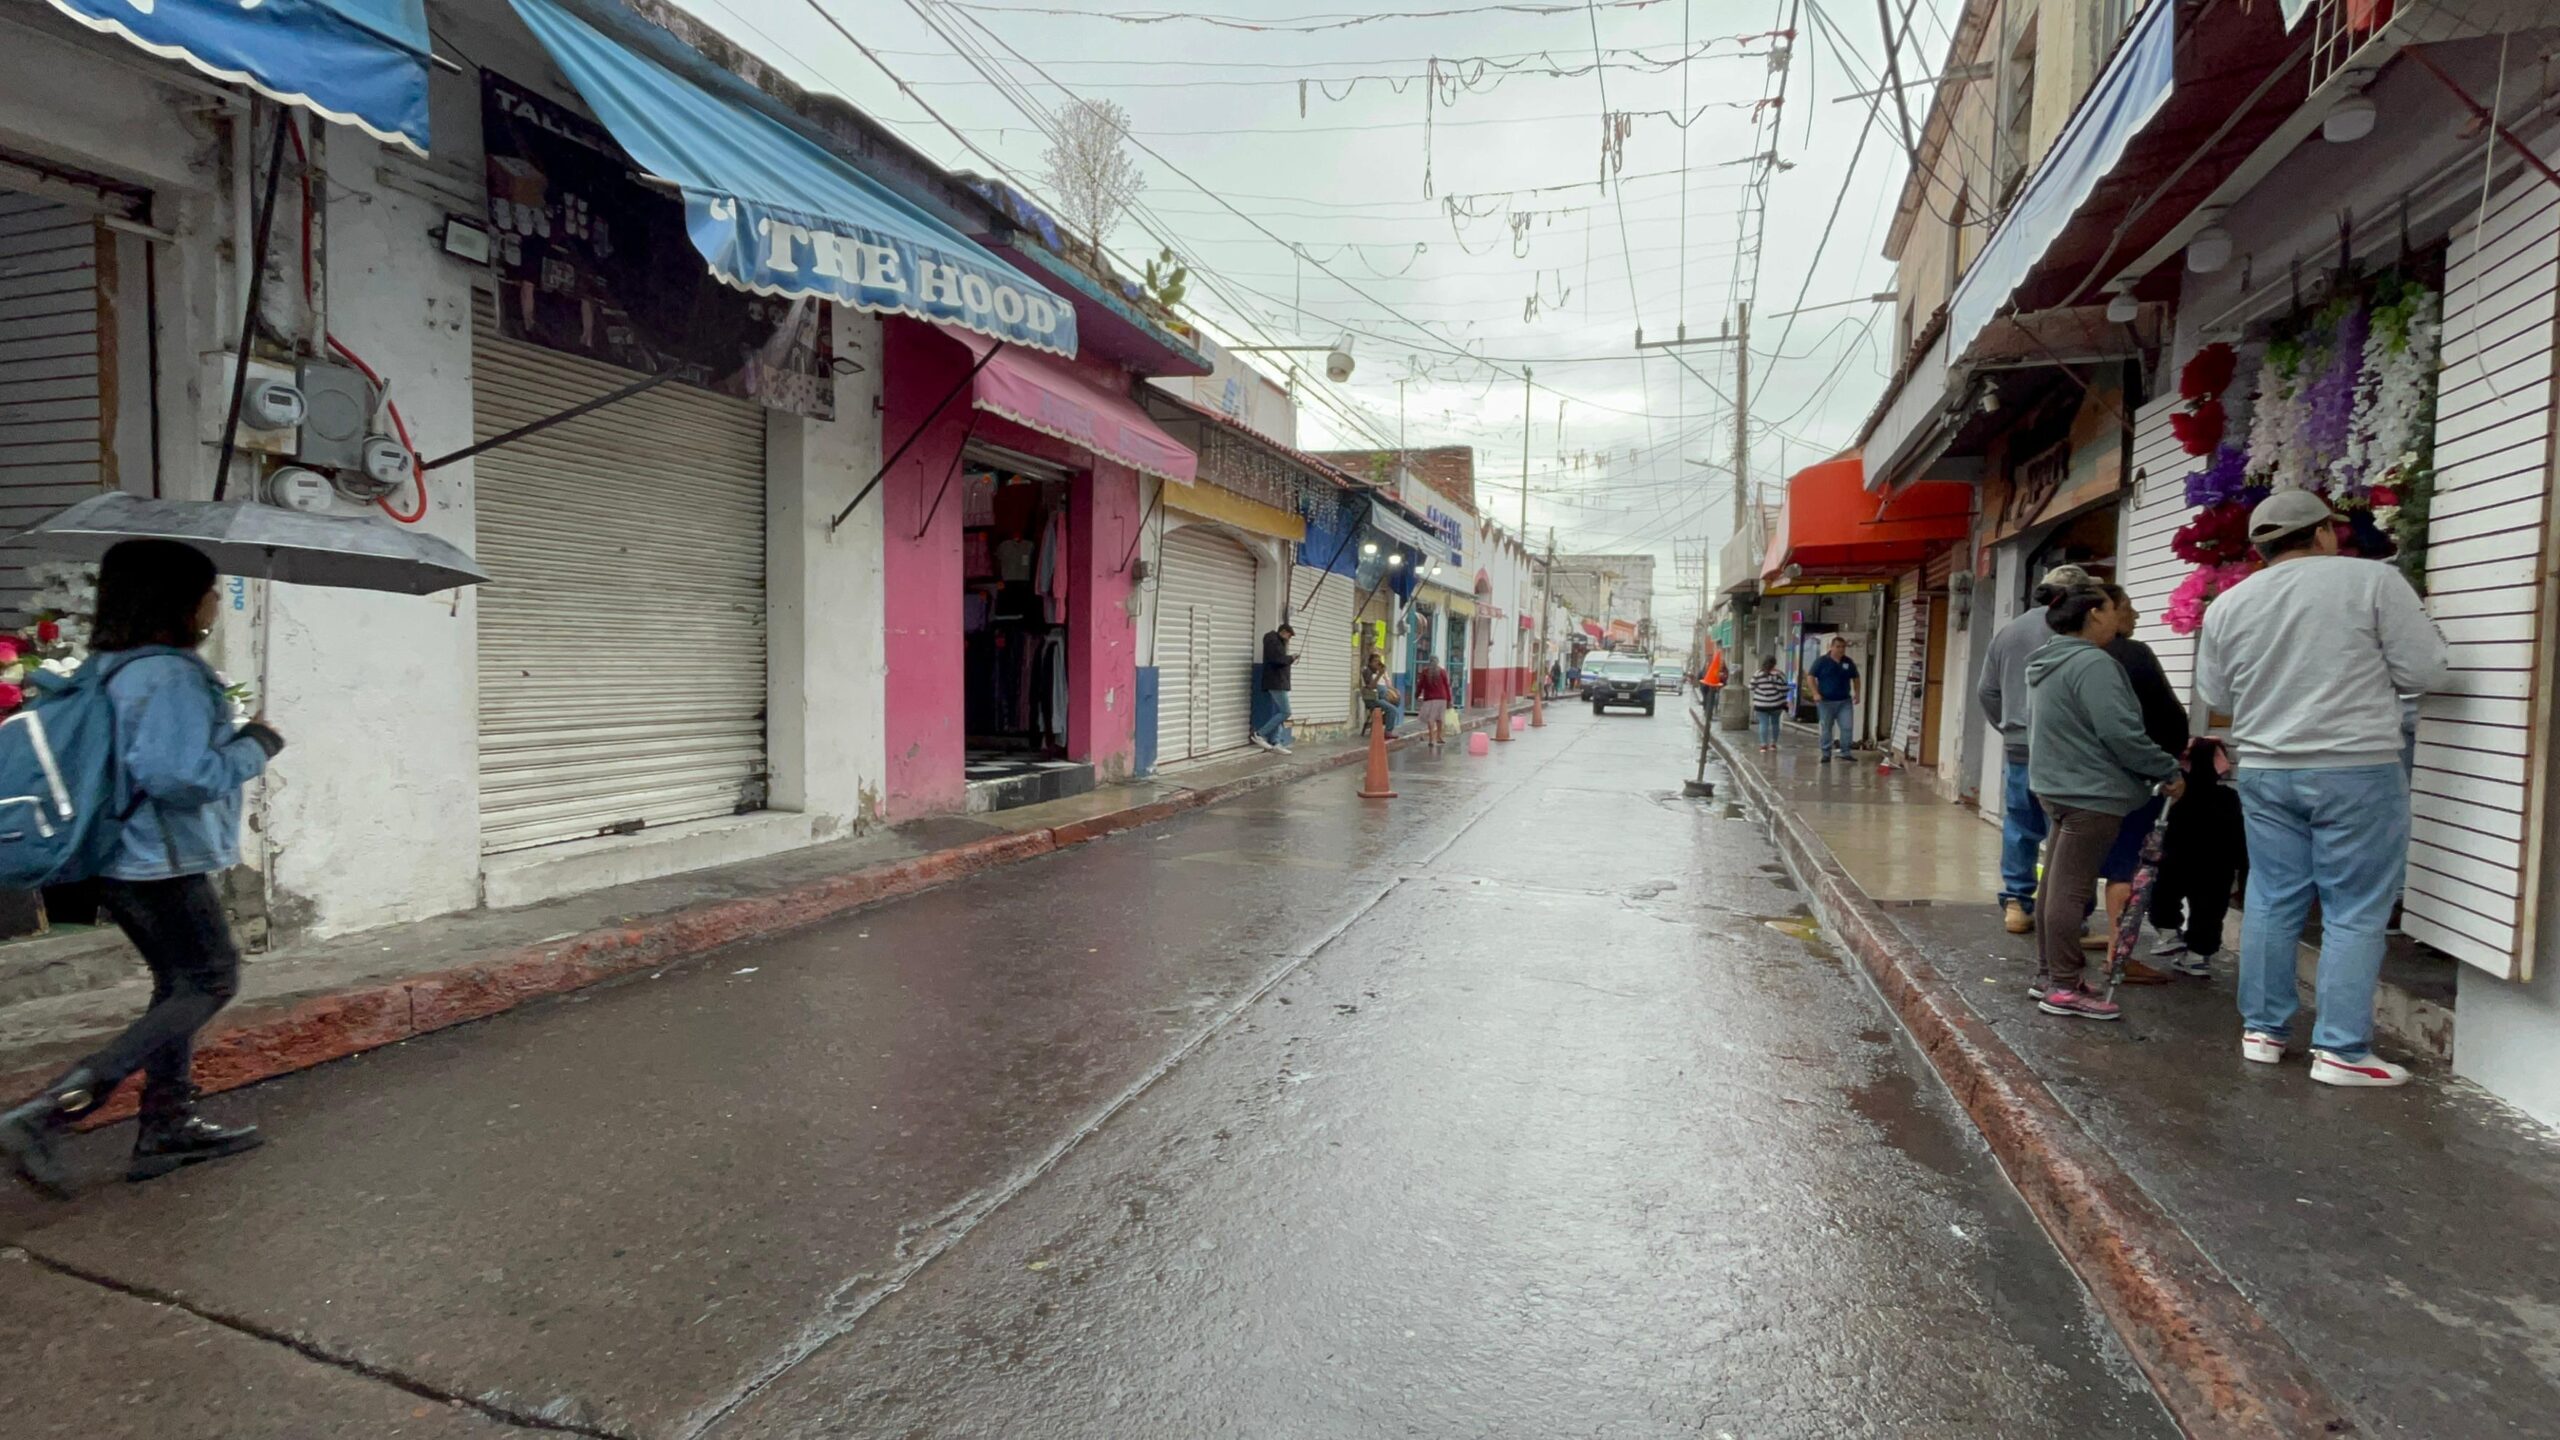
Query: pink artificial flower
x=8 y=651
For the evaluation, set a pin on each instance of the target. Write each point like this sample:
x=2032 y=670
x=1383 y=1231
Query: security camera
x=1337 y=366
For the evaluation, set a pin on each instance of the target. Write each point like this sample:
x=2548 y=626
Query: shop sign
x=592 y=263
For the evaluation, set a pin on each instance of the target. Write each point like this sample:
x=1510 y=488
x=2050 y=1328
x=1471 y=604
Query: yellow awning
x=1457 y=604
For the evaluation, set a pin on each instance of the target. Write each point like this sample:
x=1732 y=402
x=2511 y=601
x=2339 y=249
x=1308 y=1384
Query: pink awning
x=1049 y=396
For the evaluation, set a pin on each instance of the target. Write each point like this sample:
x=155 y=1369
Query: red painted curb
x=2215 y=1361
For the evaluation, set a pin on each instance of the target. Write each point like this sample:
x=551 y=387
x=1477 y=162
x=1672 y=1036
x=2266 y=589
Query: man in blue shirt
x=1835 y=690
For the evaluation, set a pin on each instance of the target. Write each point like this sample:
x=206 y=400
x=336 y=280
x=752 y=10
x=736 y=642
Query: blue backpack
x=62 y=780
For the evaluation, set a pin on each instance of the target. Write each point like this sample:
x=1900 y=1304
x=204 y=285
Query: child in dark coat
x=2201 y=858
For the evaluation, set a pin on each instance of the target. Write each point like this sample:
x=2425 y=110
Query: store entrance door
x=1013 y=539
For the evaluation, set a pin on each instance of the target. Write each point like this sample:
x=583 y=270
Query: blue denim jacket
x=185 y=762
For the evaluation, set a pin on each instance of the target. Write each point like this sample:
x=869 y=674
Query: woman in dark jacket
x=2164 y=719
x=185 y=761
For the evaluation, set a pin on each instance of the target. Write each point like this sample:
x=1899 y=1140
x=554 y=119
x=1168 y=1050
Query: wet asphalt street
x=1524 y=1105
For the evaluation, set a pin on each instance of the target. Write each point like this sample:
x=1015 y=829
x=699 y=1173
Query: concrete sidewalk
x=309 y=1004
x=2401 y=1247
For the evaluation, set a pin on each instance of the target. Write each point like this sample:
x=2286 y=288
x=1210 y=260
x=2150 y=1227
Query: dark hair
x=2070 y=614
x=2303 y=539
x=148 y=591
x=1768 y=662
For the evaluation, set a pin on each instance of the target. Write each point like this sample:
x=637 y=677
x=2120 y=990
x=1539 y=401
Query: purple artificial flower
x=2329 y=401
x=2222 y=478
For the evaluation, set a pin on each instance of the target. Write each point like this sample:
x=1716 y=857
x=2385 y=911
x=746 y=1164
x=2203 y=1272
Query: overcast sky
x=1417 y=286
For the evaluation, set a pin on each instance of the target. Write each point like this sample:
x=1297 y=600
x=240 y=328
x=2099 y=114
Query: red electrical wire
x=400 y=427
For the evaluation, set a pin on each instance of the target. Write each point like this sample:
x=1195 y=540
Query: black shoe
x=168 y=1142
x=1826 y=757
x=27 y=1132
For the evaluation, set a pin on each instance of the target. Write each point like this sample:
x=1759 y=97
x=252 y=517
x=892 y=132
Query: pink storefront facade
x=925 y=568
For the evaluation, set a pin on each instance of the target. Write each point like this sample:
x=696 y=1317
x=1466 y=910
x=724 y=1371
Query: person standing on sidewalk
x=1835 y=689
x=2200 y=861
x=1711 y=679
x=2310 y=657
x=2090 y=765
x=2164 y=719
x=1431 y=696
x=2003 y=699
x=1768 y=700
x=1273 y=732
x=185 y=760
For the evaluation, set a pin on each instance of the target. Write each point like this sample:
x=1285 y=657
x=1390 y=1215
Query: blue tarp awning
x=2137 y=82
x=357 y=62
x=776 y=214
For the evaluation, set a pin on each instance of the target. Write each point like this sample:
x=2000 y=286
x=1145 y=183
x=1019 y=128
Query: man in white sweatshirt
x=2310 y=657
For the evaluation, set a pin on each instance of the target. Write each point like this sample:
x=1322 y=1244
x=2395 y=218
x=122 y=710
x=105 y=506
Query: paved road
x=1524 y=1106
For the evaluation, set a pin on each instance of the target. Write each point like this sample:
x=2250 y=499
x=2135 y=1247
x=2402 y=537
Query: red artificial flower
x=2200 y=429
x=9 y=651
x=47 y=632
x=2218 y=535
x=11 y=697
x=2208 y=373
x=2383 y=496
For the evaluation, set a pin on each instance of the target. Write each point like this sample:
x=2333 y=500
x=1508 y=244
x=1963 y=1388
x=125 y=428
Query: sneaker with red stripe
x=2261 y=1047
x=2331 y=1068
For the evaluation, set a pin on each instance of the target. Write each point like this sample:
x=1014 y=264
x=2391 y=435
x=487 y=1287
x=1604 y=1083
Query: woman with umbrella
x=185 y=762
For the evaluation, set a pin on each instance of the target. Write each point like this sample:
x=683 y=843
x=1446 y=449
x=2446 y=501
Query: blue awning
x=2136 y=83
x=777 y=214
x=357 y=62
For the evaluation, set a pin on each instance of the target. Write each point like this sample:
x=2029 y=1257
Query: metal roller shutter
x=1322 y=614
x=52 y=426
x=1206 y=645
x=1910 y=673
x=2479 y=799
x=622 y=631
x=2149 y=570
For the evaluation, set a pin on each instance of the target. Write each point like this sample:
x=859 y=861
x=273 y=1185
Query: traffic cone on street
x=1375 y=787
x=1502 y=710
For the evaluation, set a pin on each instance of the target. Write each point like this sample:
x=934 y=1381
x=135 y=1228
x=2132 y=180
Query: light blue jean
x=1276 y=728
x=2342 y=835
x=1768 y=725
x=2022 y=831
x=1394 y=714
x=1837 y=715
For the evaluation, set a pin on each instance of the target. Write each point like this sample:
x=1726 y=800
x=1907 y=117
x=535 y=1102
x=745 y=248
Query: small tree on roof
x=1089 y=170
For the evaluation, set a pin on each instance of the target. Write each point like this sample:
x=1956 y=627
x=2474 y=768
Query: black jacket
x=2164 y=718
x=1276 y=660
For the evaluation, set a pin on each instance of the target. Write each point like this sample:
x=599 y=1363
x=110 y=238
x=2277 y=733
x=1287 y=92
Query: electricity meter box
x=339 y=404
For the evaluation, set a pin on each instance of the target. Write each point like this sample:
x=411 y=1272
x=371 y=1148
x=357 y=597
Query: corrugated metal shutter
x=622 y=631
x=2478 y=795
x=1911 y=661
x=52 y=425
x=2150 y=570
x=1206 y=645
x=1326 y=668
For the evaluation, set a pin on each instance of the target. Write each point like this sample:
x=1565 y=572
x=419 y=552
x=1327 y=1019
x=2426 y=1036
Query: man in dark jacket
x=2003 y=698
x=1273 y=733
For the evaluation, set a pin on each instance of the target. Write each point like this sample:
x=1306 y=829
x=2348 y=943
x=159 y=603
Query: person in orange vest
x=1712 y=681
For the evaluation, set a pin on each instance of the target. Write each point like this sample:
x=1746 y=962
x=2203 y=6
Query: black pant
x=2194 y=895
x=195 y=970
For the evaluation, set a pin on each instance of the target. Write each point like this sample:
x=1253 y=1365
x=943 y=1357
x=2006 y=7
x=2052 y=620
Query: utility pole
x=1527 y=399
x=1741 y=416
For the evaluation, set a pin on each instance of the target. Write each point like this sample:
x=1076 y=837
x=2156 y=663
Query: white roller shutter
x=1320 y=609
x=1910 y=675
x=52 y=429
x=2478 y=797
x=622 y=633
x=1206 y=645
x=2151 y=571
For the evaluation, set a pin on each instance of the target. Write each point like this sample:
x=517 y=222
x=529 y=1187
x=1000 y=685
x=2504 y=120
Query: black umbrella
x=266 y=542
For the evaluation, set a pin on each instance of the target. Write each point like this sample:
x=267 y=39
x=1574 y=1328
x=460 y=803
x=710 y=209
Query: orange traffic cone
x=1502 y=709
x=1375 y=786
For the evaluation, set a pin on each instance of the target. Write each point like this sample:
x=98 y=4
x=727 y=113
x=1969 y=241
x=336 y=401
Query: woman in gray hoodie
x=2090 y=764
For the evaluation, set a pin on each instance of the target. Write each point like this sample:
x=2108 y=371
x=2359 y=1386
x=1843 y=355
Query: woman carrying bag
x=2089 y=764
x=185 y=762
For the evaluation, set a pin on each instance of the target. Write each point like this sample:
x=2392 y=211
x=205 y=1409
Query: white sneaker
x=2172 y=944
x=1280 y=750
x=2261 y=1047
x=2191 y=965
x=1262 y=744
x=2330 y=1068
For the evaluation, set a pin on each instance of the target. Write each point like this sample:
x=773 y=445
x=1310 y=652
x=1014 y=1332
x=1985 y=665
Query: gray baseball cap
x=2067 y=577
x=2286 y=512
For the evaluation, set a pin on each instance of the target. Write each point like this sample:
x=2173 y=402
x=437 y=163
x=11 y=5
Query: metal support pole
x=249 y=315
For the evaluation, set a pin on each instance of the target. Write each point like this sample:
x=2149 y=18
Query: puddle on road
x=1891 y=1103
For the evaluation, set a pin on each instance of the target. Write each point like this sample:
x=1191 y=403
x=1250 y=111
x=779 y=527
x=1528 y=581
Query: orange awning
x=1830 y=526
